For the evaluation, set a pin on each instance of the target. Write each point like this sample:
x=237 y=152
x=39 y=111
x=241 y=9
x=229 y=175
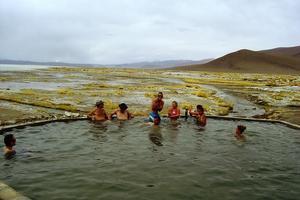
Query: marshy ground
x=48 y=93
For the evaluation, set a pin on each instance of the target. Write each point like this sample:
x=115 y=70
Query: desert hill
x=281 y=60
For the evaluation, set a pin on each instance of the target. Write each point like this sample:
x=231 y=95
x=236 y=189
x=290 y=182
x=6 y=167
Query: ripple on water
x=131 y=160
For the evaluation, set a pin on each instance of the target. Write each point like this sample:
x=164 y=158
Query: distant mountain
x=280 y=60
x=287 y=51
x=148 y=65
x=162 y=64
x=24 y=62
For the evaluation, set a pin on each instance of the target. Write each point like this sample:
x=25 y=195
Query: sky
x=125 y=31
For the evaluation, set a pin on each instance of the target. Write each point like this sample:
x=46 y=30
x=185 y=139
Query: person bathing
x=174 y=111
x=199 y=115
x=157 y=106
x=239 y=132
x=10 y=142
x=98 y=113
x=122 y=113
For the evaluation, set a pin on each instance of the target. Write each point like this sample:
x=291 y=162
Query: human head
x=174 y=104
x=123 y=107
x=200 y=108
x=9 y=140
x=99 y=104
x=240 y=129
x=160 y=95
x=156 y=121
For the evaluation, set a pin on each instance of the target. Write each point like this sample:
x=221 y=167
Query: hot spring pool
x=131 y=160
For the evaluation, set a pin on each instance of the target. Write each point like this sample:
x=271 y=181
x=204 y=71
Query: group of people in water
x=122 y=113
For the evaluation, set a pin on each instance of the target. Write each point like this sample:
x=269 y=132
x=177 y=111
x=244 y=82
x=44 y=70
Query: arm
x=170 y=112
x=130 y=115
x=92 y=112
x=192 y=113
x=160 y=106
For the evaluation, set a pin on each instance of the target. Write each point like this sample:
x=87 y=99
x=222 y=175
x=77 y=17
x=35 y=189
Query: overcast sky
x=122 y=31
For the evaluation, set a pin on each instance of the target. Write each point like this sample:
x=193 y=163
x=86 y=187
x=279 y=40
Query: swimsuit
x=153 y=116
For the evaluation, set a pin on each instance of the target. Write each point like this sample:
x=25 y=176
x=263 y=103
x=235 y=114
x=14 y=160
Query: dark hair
x=175 y=103
x=123 y=106
x=160 y=93
x=8 y=139
x=200 y=107
x=241 y=128
x=99 y=103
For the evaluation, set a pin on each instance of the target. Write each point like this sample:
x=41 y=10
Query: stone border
x=38 y=123
x=42 y=122
x=288 y=124
x=8 y=193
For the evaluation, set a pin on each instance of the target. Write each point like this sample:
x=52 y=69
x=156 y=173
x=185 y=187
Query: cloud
x=121 y=31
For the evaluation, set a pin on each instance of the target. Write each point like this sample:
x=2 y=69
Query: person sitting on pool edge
x=174 y=111
x=157 y=106
x=98 y=113
x=199 y=115
x=239 y=132
x=122 y=113
x=9 y=141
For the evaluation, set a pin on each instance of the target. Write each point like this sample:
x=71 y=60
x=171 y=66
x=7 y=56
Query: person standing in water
x=157 y=106
x=98 y=113
x=174 y=111
x=9 y=141
x=122 y=113
x=199 y=115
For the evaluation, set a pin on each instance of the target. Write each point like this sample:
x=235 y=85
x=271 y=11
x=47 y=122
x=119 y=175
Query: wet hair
x=123 y=106
x=241 y=128
x=99 y=103
x=200 y=107
x=8 y=139
x=160 y=94
x=175 y=102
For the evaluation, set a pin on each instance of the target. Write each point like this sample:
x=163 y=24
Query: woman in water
x=174 y=111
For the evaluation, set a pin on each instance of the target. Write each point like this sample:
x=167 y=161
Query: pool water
x=132 y=160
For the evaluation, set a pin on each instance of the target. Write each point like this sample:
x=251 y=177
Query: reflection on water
x=176 y=160
x=155 y=135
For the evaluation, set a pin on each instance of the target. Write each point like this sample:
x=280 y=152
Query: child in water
x=122 y=113
x=199 y=115
x=98 y=113
x=9 y=141
x=174 y=111
x=239 y=132
x=157 y=106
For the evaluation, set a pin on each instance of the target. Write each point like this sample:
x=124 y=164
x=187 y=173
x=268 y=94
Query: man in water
x=122 y=113
x=174 y=111
x=98 y=113
x=9 y=141
x=157 y=106
x=199 y=115
x=239 y=132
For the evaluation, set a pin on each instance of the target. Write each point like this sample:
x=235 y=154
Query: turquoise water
x=131 y=160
